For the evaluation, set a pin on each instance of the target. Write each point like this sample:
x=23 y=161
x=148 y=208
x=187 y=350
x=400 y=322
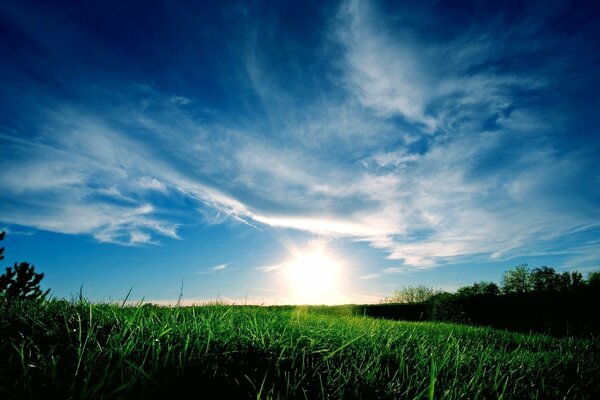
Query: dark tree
x=564 y=282
x=517 y=280
x=593 y=279
x=577 y=281
x=479 y=288
x=21 y=281
x=546 y=279
x=2 y=248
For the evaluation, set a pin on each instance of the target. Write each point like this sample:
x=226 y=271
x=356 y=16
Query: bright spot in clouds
x=314 y=277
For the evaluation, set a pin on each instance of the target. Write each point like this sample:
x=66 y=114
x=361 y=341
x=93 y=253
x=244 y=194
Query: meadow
x=77 y=350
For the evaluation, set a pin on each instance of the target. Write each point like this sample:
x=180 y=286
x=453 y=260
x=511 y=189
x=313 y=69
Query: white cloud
x=139 y=237
x=434 y=85
x=322 y=226
x=214 y=269
x=147 y=182
x=340 y=167
x=387 y=77
x=271 y=268
x=428 y=192
x=60 y=181
x=220 y=267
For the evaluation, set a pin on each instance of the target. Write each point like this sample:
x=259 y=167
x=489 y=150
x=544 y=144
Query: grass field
x=81 y=351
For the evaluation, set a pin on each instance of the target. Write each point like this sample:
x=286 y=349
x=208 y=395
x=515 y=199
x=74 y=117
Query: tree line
x=527 y=300
x=516 y=280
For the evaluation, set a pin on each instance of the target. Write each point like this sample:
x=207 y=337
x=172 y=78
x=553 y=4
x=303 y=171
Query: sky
x=201 y=149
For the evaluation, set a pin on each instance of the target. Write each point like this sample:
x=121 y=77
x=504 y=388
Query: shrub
x=447 y=307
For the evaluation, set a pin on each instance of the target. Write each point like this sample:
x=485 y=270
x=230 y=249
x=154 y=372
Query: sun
x=314 y=278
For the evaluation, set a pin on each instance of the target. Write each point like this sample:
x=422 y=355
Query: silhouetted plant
x=517 y=280
x=446 y=307
x=563 y=282
x=21 y=281
x=545 y=279
x=577 y=281
x=538 y=300
x=2 y=248
x=479 y=288
x=593 y=279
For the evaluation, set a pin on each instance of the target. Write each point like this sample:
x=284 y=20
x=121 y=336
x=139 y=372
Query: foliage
x=446 y=307
x=520 y=279
x=593 y=279
x=21 y=281
x=538 y=300
x=411 y=294
x=60 y=350
x=517 y=280
x=577 y=281
x=545 y=279
x=479 y=288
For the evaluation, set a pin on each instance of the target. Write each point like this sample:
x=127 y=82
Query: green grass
x=76 y=351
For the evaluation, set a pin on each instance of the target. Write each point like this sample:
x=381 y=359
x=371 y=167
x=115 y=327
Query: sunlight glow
x=314 y=278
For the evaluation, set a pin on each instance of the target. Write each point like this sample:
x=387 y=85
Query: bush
x=447 y=307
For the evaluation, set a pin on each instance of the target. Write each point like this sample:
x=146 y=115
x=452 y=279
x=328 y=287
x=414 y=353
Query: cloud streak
x=431 y=151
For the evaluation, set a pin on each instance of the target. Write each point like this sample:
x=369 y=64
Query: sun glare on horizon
x=314 y=278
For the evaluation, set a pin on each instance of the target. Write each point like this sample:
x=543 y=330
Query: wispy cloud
x=220 y=267
x=386 y=77
x=180 y=100
x=152 y=183
x=271 y=268
x=428 y=150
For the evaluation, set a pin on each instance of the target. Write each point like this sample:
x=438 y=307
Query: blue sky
x=147 y=144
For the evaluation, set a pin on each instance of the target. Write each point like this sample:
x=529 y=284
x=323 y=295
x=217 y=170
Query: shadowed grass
x=61 y=350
